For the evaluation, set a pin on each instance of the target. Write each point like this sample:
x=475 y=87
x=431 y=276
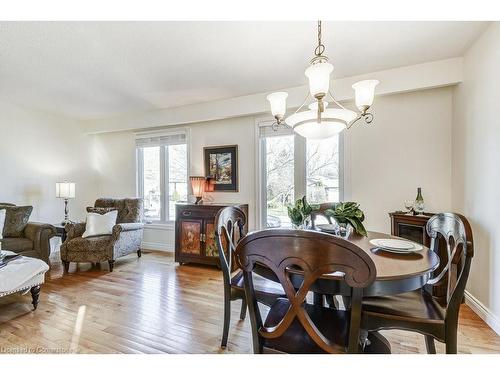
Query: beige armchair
x=34 y=241
x=126 y=237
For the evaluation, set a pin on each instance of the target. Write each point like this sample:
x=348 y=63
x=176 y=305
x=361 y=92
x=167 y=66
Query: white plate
x=396 y=246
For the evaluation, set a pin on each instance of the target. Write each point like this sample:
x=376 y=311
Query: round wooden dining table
x=396 y=273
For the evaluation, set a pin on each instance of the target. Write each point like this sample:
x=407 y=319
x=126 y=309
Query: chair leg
x=355 y=321
x=227 y=319
x=139 y=253
x=111 y=264
x=429 y=344
x=451 y=343
x=243 y=312
x=66 y=266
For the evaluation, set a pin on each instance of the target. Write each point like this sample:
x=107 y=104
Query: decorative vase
x=304 y=225
x=344 y=230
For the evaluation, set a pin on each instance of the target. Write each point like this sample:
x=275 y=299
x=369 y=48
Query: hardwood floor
x=152 y=305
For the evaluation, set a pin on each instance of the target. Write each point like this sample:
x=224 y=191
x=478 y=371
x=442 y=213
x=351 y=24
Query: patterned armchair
x=125 y=239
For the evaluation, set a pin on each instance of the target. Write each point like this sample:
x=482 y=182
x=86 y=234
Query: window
x=291 y=167
x=279 y=178
x=162 y=177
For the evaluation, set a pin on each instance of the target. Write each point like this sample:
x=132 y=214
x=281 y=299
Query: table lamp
x=66 y=191
x=198 y=186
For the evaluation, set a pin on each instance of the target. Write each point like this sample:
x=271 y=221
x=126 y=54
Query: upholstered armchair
x=32 y=241
x=126 y=237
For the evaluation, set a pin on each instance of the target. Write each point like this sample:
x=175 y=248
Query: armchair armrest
x=74 y=230
x=125 y=227
x=40 y=234
x=33 y=230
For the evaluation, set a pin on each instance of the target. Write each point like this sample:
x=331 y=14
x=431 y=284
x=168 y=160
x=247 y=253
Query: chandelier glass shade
x=364 y=93
x=318 y=74
x=316 y=121
x=278 y=103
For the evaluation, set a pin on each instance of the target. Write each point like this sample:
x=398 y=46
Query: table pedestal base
x=377 y=344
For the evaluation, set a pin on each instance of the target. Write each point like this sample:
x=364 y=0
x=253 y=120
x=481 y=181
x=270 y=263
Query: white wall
x=476 y=171
x=408 y=145
x=115 y=163
x=36 y=151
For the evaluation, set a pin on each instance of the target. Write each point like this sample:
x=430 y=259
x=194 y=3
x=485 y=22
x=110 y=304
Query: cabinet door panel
x=190 y=241
x=211 y=249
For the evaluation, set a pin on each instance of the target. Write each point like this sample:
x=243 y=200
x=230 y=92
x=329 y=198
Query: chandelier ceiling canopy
x=324 y=116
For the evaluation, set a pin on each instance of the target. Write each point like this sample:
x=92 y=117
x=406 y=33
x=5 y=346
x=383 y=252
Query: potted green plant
x=348 y=213
x=300 y=213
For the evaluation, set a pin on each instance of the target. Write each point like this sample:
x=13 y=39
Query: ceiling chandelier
x=325 y=116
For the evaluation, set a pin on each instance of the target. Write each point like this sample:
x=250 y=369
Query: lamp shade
x=65 y=190
x=319 y=78
x=198 y=185
x=333 y=121
x=364 y=92
x=278 y=103
x=323 y=130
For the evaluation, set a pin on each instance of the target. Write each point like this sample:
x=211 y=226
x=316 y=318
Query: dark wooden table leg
x=35 y=296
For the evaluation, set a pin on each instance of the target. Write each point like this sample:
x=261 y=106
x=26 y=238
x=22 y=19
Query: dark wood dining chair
x=292 y=325
x=419 y=311
x=230 y=230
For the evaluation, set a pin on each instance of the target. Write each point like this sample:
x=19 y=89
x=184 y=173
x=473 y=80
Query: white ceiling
x=91 y=70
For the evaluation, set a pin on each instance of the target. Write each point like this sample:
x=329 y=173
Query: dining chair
x=230 y=230
x=419 y=311
x=325 y=298
x=292 y=325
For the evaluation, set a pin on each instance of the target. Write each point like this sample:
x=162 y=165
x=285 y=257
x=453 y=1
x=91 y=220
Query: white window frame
x=164 y=172
x=299 y=170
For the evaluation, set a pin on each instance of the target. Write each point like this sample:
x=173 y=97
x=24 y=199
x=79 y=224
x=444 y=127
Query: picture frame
x=221 y=163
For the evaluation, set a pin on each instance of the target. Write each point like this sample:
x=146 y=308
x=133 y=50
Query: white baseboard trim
x=157 y=246
x=483 y=312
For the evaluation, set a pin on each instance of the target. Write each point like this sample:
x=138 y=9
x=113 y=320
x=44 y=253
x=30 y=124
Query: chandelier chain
x=320 y=48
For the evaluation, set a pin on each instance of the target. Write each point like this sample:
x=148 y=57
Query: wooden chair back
x=456 y=231
x=230 y=229
x=315 y=254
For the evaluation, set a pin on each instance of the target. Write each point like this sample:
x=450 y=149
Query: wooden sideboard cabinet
x=412 y=227
x=195 y=232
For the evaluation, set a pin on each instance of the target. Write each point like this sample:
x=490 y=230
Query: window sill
x=169 y=225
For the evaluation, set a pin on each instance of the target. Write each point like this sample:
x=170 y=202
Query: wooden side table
x=411 y=227
x=195 y=232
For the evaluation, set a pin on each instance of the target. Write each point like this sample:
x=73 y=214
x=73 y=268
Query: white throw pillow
x=2 y=221
x=98 y=224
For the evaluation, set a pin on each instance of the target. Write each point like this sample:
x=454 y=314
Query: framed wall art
x=221 y=163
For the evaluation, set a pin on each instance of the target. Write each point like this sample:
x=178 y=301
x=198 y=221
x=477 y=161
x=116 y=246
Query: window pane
x=280 y=177
x=151 y=182
x=177 y=176
x=322 y=170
